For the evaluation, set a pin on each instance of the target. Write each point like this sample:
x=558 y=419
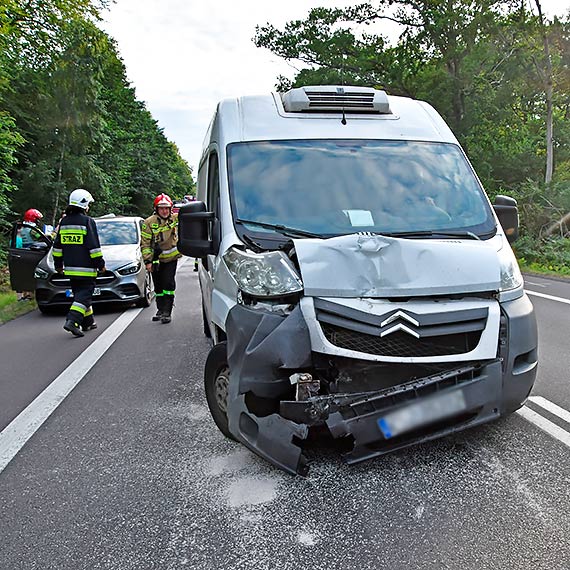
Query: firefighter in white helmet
x=77 y=254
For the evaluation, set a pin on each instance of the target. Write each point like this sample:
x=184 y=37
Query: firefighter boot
x=88 y=323
x=159 y=307
x=73 y=327
x=166 y=314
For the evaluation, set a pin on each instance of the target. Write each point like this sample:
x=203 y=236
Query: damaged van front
x=356 y=282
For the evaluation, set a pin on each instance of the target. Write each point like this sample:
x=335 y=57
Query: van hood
x=361 y=265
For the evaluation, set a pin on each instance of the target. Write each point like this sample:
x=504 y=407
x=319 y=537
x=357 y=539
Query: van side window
x=214 y=185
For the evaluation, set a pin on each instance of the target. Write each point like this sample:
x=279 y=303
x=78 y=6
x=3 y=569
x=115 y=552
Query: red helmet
x=32 y=216
x=162 y=200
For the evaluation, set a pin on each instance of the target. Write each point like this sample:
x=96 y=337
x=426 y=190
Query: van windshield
x=335 y=187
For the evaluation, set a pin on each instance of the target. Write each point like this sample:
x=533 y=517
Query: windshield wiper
x=435 y=234
x=285 y=230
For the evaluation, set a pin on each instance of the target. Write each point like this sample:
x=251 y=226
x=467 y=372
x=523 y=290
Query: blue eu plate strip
x=384 y=428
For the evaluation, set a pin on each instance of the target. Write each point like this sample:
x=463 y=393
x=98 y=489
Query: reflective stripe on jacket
x=160 y=235
x=76 y=248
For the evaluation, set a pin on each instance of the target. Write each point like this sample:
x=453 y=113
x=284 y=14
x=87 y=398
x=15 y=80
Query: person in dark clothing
x=77 y=254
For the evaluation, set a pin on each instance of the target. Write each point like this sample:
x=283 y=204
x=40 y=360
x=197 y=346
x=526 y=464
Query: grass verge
x=10 y=307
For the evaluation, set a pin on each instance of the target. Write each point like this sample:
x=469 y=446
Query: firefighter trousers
x=164 y=279
x=81 y=311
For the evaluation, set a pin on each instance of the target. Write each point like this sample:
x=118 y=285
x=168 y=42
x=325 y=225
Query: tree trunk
x=59 y=176
x=548 y=92
x=558 y=226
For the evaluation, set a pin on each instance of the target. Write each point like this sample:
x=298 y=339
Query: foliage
x=544 y=256
x=480 y=63
x=69 y=118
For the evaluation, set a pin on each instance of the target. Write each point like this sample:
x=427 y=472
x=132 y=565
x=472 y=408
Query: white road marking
x=551 y=297
x=551 y=407
x=14 y=436
x=535 y=284
x=545 y=425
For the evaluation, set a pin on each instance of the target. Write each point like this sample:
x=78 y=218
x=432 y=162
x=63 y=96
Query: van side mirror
x=196 y=230
x=508 y=214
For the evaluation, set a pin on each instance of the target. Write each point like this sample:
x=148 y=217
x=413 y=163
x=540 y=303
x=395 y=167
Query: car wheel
x=146 y=298
x=207 y=332
x=47 y=310
x=216 y=383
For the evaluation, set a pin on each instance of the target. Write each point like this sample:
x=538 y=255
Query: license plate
x=96 y=291
x=421 y=413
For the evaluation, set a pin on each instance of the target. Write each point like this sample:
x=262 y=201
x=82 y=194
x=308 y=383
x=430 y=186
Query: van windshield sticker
x=359 y=217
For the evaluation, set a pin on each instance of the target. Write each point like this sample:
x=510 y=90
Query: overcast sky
x=183 y=56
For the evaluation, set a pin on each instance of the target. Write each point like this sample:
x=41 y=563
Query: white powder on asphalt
x=306 y=538
x=252 y=491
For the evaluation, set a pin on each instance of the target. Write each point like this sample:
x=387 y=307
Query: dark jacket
x=76 y=248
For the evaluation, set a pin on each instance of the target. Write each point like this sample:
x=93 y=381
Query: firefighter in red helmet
x=30 y=221
x=159 y=238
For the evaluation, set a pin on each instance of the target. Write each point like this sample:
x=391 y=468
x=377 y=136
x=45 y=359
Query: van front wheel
x=216 y=384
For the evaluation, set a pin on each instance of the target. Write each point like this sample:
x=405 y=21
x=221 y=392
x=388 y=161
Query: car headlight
x=130 y=269
x=40 y=273
x=511 y=277
x=263 y=274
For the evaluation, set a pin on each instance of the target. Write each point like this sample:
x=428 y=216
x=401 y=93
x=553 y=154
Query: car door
x=22 y=261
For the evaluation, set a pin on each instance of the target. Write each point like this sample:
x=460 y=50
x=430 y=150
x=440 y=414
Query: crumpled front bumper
x=264 y=349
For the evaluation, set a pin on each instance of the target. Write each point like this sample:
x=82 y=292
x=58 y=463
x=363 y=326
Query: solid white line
x=551 y=297
x=551 y=407
x=534 y=284
x=545 y=425
x=16 y=434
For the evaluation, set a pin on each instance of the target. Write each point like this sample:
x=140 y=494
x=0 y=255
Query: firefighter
x=159 y=238
x=77 y=254
x=30 y=222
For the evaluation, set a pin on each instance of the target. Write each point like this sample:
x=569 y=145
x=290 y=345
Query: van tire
x=216 y=384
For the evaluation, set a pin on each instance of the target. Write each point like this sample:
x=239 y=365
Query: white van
x=356 y=281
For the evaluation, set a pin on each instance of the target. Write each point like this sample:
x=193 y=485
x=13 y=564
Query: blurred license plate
x=96 y=291
x=424 y=412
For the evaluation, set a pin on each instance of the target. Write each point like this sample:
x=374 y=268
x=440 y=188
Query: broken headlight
x=268 y=274
x=511 y=277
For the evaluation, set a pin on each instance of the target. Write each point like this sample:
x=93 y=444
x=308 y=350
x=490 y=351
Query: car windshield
x=334 y=187
x=116 y=233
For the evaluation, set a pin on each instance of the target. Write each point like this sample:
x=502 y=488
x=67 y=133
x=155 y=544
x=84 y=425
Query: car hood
x=367 y=265
x=115 y=256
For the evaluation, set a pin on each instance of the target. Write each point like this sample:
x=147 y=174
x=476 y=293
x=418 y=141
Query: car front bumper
x=110 y=287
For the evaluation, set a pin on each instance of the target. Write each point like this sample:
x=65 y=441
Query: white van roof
x=265 y=117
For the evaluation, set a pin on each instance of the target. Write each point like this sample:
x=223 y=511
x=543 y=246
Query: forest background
x=498 y=71
x=69 y=118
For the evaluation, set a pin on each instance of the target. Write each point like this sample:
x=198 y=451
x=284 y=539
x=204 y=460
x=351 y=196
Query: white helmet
x=80 y=198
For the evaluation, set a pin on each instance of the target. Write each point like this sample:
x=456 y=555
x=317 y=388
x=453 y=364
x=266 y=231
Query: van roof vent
x=335 y=98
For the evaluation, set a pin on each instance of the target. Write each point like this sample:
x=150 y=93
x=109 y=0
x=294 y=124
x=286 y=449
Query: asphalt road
x=130 y=472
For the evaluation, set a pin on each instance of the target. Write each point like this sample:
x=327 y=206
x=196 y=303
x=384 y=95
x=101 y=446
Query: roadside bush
x=551 y=255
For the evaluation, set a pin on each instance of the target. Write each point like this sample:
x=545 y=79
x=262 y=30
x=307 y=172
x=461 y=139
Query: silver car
x=125 y=279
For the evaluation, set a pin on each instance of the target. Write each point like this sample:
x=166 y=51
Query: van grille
x=400 y=333
x=401 y=344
